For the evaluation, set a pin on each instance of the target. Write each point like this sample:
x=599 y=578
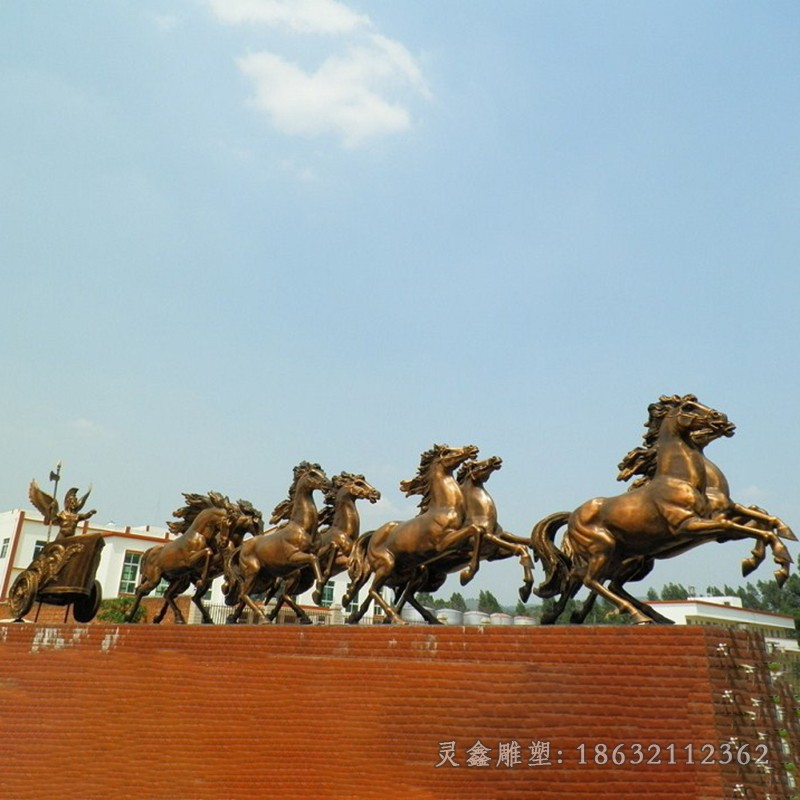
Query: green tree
x=457 y=602
x=488 y=602
x=674 y=591
x=652 y=594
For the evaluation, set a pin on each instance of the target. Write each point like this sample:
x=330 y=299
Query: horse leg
x=426 y=615
x=169 y=599
x=725 y=526
x=302 y=617
x=524 y=555
x=475 y=560
x=235 y=615
x=623 y=605
x=453 y=538
x=197 y=599
x=570 y=590
x=757 y=556
x=381 y=575
x=758 y=514
x=316 y=597
x=140 y=593
x=146 y=585
x=184 y=582
x=278 y=590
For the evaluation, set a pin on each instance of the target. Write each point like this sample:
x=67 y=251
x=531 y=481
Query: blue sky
x=241 y=234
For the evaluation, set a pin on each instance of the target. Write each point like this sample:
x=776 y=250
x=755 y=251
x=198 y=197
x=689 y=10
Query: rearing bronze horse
x=280 y=552
x=613 y=539
x=339 y=528
x=244 y=519
x=191 y=553
x=641 y=462
x=393 y=553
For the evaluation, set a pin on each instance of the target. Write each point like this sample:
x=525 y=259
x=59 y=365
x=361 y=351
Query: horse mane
x=284 y=509
x=466 y=470
x=195 y=503
x=337 y=481
x=642 y=460
x=420 y=483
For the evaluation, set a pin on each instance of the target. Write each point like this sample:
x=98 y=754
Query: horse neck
x=304 y=511
x=715 y=478
x=477 y=500
x=678 y=457
x=345 y=515
x=444 y=490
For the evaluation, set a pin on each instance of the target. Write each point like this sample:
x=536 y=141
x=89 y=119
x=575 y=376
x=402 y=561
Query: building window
x=4 y=551
x=327 y=595
x=38 y=547
x=130 y=570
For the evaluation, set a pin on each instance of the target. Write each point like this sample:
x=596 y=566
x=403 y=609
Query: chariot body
x=62 y=574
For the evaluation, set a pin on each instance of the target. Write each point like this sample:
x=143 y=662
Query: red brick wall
x=222 y=713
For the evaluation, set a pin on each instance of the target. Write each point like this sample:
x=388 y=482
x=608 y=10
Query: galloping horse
x=615 y=539
x=334 y=542
x=490 y=543
x=281 y=551
x=641 y=461
x=393 y=553
x=206 y=532
x=244 y=519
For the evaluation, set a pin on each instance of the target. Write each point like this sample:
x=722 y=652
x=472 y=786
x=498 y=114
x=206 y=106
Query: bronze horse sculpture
x=616 y=539
x=204 y=527
x=490 y=542
x=393 y=554
x=282 y=551
x=641 y=461
x=245 y=519
x=339 y=527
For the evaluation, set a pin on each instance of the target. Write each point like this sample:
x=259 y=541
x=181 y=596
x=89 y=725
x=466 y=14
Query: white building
x=779 y=630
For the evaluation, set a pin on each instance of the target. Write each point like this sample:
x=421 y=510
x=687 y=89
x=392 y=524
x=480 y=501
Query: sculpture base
x=385 y=712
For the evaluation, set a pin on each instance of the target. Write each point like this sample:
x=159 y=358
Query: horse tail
x=232 y=571
x=556 y=563
x=358 y=565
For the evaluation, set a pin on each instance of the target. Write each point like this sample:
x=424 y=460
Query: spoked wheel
x=85 y=608
x=23 y=594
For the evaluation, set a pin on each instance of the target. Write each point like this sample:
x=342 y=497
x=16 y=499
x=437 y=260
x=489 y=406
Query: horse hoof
x=785 y=532
x=525 y=592
x=748 y=565
x=466 y=576
x=781 y=576
x=305 y=621
x=316 y=597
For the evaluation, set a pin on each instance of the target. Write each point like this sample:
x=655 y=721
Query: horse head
x=356 y=486
x=697 y=422
x=311 y=476
x=479 y=471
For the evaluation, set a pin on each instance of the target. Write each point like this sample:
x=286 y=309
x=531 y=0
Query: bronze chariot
x=63 y=574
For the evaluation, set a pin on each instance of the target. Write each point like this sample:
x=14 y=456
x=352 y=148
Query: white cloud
x=303 y=16
x=360 y=91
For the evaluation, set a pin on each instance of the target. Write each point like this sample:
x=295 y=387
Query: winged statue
x=67 y=518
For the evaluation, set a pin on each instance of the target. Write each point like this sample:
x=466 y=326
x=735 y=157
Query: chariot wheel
x=85 y=608
x=23 y=593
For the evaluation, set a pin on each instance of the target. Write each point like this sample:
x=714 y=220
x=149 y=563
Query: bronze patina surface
x=681 y=501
